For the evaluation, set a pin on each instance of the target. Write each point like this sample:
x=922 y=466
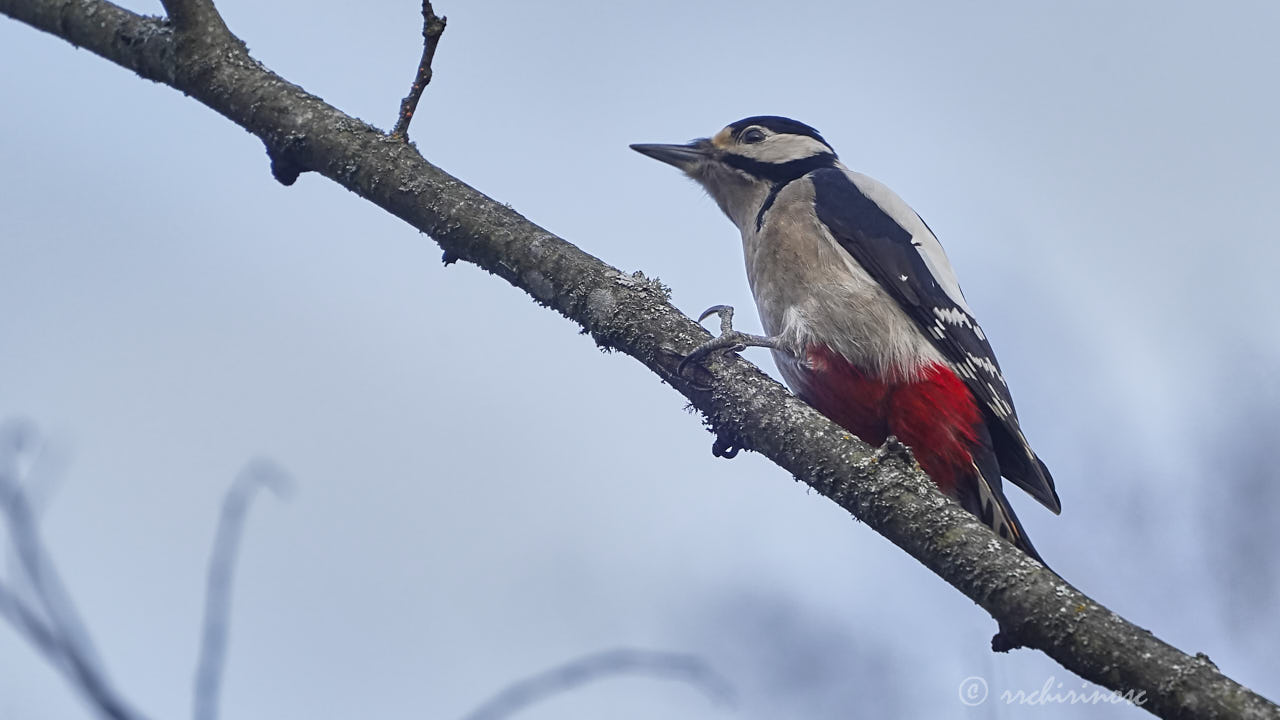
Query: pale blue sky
x=481 y=494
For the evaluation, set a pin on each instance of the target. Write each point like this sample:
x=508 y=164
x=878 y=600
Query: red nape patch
x=935 y=416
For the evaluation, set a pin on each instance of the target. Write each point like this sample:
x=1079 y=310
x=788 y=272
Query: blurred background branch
x=53 y=627
x=212 y=658
x=49 y=620
x=595 y=667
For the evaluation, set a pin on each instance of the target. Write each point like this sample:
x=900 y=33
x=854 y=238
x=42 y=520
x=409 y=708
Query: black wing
x=890 y=254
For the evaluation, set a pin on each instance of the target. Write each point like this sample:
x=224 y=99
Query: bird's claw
x=729 y=340
x=726 y=316
x=717 y=343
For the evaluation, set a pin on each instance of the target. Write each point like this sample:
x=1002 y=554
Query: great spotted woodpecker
x=863 y=312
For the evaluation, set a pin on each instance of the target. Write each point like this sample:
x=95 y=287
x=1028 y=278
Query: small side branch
x=599 y=666
x=432 y=28
x=200 y=16
x=222 y=561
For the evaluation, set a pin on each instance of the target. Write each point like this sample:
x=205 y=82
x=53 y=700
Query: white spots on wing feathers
x=998 y=404
x=986 y=364
x=954 y=315
x=969 y=367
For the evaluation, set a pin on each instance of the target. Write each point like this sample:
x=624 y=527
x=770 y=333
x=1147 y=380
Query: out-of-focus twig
x=53 y=625
x=599 y=666
x=28 y=624
x=222 y=560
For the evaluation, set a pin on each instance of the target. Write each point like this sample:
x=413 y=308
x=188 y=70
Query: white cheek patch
x=784 y=148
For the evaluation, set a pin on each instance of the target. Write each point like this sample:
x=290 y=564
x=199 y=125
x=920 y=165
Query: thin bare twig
x=29 y=624
x=432 y=28
x=17 y=440
x=600 y=666
x=54 y=627
x=194 y=15
x=217 y=607
x=82 y=675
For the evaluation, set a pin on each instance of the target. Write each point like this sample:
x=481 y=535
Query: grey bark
x=1035 y=608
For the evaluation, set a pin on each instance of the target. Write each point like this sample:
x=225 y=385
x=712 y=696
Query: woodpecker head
x=742 y=164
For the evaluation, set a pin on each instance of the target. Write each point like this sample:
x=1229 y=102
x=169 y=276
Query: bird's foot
x=729 y=340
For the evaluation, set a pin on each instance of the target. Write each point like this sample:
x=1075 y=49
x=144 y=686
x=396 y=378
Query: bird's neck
x=738 y=196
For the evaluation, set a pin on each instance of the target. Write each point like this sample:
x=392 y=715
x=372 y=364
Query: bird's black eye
x=753 y=136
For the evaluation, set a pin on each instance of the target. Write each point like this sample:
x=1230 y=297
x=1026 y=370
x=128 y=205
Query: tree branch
x=197 y=17
x=629 y=313
x=432 y=28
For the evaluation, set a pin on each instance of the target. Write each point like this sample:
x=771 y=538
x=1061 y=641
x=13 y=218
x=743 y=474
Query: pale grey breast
x=809 y=290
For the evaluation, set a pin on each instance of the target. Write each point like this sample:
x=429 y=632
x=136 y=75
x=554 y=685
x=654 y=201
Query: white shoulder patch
x=935 y=258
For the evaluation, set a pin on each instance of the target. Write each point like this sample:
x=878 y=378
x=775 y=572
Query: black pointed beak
x=681 y=156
